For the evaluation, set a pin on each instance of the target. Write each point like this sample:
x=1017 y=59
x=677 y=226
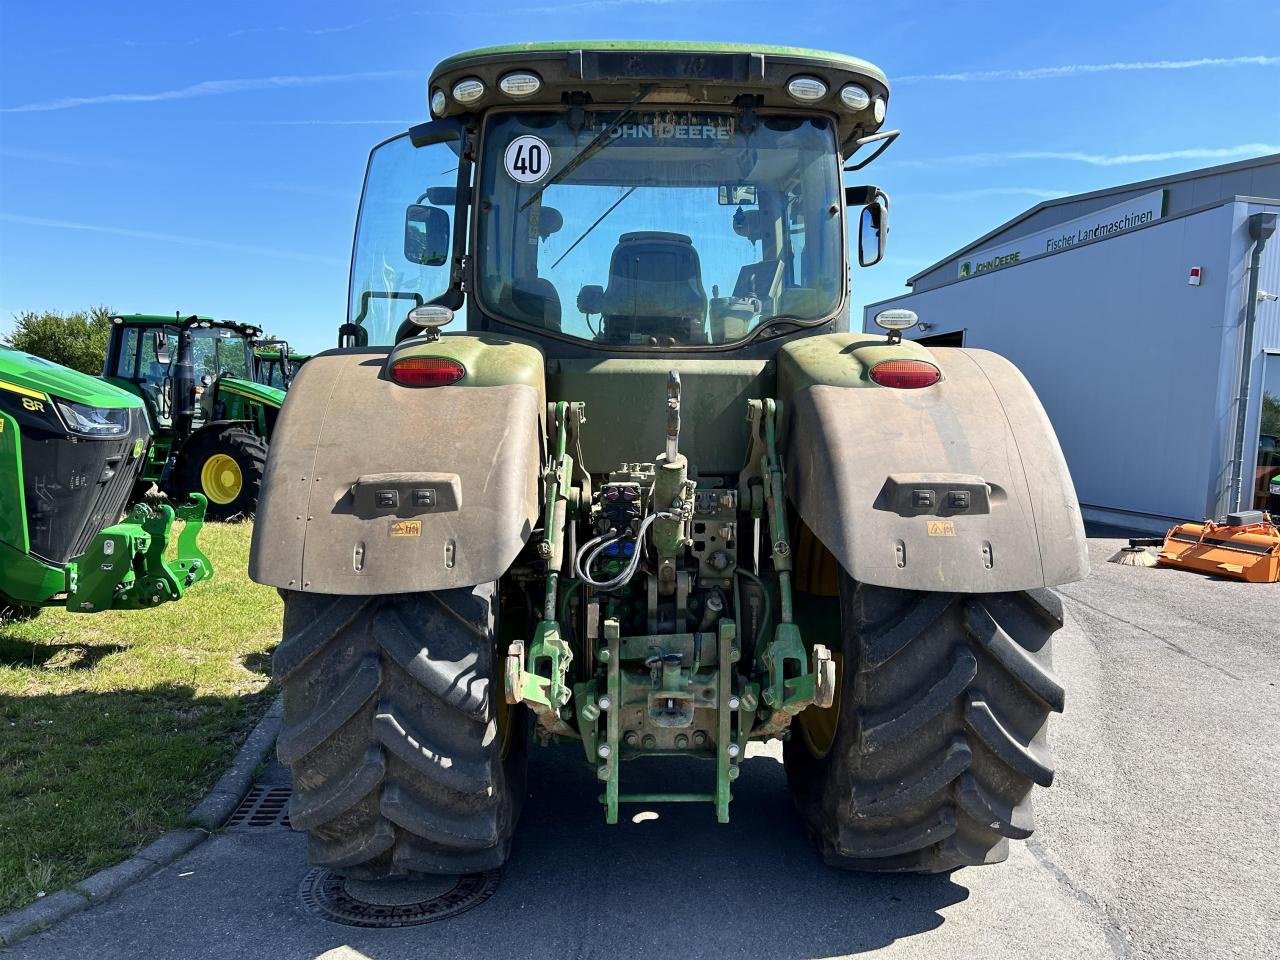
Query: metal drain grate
x=394 y=903
x=263 y=807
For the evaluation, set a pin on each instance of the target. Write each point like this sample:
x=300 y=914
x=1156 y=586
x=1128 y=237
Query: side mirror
x=873 y=232
x=160 y=346
x=426 y=235
x=591 y=299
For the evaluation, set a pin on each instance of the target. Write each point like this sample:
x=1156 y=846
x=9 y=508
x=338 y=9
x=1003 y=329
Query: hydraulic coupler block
x=620 y=507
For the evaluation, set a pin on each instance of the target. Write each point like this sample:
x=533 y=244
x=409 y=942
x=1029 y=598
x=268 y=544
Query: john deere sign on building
x=1125 y=215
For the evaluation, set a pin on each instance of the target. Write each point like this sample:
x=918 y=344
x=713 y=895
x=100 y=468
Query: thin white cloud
x=1096 y=159
x=71 y=160
x=1076 y=69
x=167 y=238
x=206 y=88
x=329 y=123
x=308 y=191
x=984 y=193
x=588 y=5
x=309 y=31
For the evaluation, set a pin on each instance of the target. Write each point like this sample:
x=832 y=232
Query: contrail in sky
x=981 y=193
x=329 y=123
x=1097 y=159
x=1076 y=69
x=206 y=88
x=167 y=238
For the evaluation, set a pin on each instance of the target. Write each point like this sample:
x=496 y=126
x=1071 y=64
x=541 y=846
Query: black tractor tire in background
x=405 y=756
x=11 y=612
x=247 y=449
x=943 y=705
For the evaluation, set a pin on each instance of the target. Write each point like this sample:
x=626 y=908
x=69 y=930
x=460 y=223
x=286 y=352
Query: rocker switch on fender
x=387 y=498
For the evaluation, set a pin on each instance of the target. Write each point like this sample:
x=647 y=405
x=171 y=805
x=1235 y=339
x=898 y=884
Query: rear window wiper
x=586 y=153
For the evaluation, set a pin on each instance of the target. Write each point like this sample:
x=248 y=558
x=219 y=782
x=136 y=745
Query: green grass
x=113 y=725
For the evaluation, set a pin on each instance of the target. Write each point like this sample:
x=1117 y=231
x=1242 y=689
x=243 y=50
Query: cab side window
x=154 y=374
x=128 y=355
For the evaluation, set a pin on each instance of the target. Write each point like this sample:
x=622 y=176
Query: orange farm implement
x=1244 y=546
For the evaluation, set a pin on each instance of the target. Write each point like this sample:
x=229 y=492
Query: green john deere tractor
x=656 y=500
x=275 y=364
x=210 y=412
x=71 y=449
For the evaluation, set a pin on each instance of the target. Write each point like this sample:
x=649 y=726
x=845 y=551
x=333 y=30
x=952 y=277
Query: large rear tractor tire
x=927 y=759
x=405 y=756
x=226 y=466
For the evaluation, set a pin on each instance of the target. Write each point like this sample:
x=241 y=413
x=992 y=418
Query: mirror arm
x=885 y=139
x=454 y=297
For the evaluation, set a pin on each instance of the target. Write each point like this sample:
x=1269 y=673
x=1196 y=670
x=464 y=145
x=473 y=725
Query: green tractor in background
x=210 y=413
x=276 y=364
x=71 y=450
x=656 y=500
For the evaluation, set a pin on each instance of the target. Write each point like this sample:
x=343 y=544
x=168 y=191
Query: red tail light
x=427 y=371
x=905 y=374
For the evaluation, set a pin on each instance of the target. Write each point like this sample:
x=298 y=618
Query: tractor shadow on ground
x=669 y=880
x=259 y=662
x=53 y=656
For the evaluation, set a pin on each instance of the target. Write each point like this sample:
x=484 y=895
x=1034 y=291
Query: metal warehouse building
x=1146 y=318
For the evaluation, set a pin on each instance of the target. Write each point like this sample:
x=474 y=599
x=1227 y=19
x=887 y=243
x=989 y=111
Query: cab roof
x=680 y=72
x=157 y=320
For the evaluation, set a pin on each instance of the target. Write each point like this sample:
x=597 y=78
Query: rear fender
x=373 y=487
x=872 y=470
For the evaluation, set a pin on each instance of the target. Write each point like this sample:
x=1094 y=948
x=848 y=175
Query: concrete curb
x=209 y=814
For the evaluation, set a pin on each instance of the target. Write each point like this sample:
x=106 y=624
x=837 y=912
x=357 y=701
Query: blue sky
x=207 y=158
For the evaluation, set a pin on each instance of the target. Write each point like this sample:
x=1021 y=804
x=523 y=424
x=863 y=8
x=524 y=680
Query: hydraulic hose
x=594 y=547
x=766 y=613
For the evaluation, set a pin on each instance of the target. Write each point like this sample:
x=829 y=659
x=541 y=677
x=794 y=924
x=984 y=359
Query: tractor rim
x=221 y=479
x=818 y=726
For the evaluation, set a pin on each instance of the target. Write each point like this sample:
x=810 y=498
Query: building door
x=1267 y=479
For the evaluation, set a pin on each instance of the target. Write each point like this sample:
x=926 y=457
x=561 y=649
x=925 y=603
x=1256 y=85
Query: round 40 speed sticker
x=527 y=159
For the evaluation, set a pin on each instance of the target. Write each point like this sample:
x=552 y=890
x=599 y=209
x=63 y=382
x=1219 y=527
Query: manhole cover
x=262 y=807
x=394 y=903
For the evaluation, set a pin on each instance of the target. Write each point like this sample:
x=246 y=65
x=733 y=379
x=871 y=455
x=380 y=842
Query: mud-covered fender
x=960 y=486
x=373 y=487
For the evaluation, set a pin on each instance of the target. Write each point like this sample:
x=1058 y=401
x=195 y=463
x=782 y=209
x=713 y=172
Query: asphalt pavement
x=1158 y=838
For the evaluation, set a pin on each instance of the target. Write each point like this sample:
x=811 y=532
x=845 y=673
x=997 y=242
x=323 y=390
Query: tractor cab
x=275 y=364
x=624 y=199
x=197 y=377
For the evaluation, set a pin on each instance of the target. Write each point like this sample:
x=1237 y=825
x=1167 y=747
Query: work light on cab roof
x=691 y=73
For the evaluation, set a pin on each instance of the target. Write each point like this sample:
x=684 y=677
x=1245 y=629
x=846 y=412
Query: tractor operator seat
x=655 y=290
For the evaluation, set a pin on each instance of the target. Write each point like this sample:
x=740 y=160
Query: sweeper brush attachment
x=1136 y=554
x=1244 y=546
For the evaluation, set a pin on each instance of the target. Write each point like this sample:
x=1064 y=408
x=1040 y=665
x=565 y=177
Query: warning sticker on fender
x=406 y=528
x=942 y=528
